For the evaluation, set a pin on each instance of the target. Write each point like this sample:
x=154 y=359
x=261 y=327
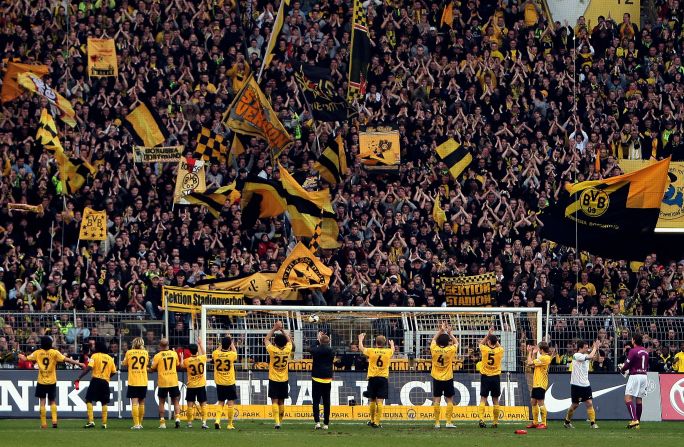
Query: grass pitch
x=14 y=432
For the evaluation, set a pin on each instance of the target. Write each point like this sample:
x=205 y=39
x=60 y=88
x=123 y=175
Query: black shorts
x=378 y=388
x=49 y=391
x=198 y=394
x=580 y=393
x=490 y=385
x=278 y=390
x=443 y=387
x=538 y=393
x=136 y=392
x=98 y=391
x=171 y=391
x=226 y=392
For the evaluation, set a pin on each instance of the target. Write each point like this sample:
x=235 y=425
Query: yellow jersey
x=195 y=366
x=679 y=358
x=277 y=365
x=442 y=361
x=491 y=360
x=165 y=363
x=224 y=366
x=379 y=360
x=103 y=366
x=47 y=364
x=137 y=361
x=541 y=371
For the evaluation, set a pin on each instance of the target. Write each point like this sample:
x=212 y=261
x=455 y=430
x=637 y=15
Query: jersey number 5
x=490 y=359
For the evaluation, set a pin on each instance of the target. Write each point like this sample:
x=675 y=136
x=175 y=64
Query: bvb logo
x=594 y=202
x=190 y=181
x=302 y=270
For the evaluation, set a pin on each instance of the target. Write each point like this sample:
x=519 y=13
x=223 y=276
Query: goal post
x=410 y=382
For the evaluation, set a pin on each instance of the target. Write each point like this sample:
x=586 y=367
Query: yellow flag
x=93 y=225
x=33 y=83
x=301 y=270
x=438 y=214
x=47 y=132
x=190 y=178
x=381 y=149
x=10 y=87
x=257 y=285
x=102 y=58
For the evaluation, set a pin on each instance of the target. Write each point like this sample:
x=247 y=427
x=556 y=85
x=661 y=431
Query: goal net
x=410 y=383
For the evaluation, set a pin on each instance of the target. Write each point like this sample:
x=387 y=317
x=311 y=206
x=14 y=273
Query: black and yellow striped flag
x=260 y=198
x=145 y=126
x=214 y=199
x=47 y=133
x=359 y=55
x=211 y=147
x=332 y=164
x=456 y=157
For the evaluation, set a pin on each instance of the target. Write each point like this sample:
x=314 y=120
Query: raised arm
x=484 y=339
x=200 y=347
x=361 y=337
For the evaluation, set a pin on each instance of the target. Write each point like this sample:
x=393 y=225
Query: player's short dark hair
x=193 y=349
x=280 y=340
x=544 y=346
x=492 y=339
x=325 y=340
x=443 y=340
x=581 y=344
x=101 y=346
x=45 y=342
x=226 y=342
x=638 y=339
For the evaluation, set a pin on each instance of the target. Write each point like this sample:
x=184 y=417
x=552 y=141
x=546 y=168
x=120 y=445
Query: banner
x=190 y=178
x=302 y=270
x=102 y=58
x=359 y=54
x=468 y=291
x=187 y=300
x=251 y=114
x=257 y=285
x=380 y=149
x=410 y=396
x=672 y=396
x=145 y=125
x=672 y=207
x=163 y=154
x=93 y=225
x=10 y=86
x=321 y=93
x=33 y=83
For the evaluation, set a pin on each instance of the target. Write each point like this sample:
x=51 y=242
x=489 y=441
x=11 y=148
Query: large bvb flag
x=614 y=217
x=321 y=93
x=360 y=53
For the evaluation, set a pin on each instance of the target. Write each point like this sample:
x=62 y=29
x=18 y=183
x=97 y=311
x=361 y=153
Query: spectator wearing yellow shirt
x=678 y=362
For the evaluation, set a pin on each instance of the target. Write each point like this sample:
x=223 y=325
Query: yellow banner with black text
x=187 y=300
x=471 y=291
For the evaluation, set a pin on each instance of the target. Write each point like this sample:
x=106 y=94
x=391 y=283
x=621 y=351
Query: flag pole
x=271 y=39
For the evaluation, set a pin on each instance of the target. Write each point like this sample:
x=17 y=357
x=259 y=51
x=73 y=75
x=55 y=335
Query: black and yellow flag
x=321 y=93
x=93 y=225
x=306 y=209
x=211 y=147
x=456 y=157
x=301 y=270
x=10 y=86
x=47 y=133
x=359 y=56
x=614 y=217
x=214 y=199
x=380 y=148
x=260 y=198
x=448 y=15
x=283 y=11
x=146 y=126
x=332 y=164
x=438 y=214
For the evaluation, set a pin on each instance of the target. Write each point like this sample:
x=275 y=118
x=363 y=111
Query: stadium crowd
x=534 y=101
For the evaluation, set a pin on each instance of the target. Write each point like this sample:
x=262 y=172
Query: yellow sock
x=231 y=415
x=535 y=414
x=141 y=413
x=449 y=412
x=371 y=409
x=568 y=416
x=435 y=412
x=134 y=414
x=53 y=413
x=276 y=413
x=219 y=413
x=203 y=411
x=43 y=416
x=162 y=421
x=378 y=413
x=495 y=414
x=190 y=411
x=281 y=412
x=481 y=411
x=91 y=418
x=591 y=414
x=542 y=410
x=104 y=414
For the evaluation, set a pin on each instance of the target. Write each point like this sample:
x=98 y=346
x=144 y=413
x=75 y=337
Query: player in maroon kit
x=637 y=367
